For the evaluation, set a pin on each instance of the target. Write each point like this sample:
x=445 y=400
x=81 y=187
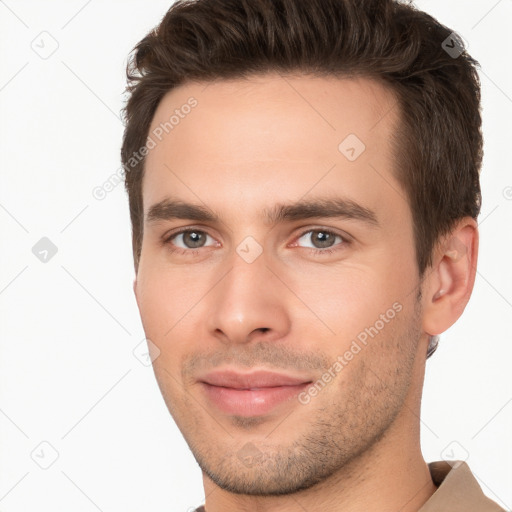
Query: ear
x=449 y=282
x=135 y=289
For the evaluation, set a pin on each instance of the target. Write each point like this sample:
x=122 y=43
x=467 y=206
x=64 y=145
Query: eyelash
x=192 y=252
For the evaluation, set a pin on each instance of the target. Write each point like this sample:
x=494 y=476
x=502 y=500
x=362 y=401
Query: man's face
x=327 y=302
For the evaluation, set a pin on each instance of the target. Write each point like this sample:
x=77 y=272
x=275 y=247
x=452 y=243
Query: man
x=303 y=181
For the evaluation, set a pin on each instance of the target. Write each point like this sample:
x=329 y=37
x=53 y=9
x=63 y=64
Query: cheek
x=346 y=299
x=166 y=299
x=163 y=309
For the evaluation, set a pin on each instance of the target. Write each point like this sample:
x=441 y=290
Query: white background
x=69 y=326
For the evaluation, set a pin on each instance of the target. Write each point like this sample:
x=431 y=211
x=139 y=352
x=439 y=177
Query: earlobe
x=450 y=282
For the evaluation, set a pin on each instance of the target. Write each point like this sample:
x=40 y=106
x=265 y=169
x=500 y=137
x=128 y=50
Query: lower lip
x=251 y=402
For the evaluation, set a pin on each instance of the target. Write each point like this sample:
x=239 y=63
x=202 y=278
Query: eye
x=187 y=240
x=321 y=240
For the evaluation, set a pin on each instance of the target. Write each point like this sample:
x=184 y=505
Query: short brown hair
x=438 y=144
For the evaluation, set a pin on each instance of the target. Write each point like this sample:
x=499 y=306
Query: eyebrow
x=170 y=209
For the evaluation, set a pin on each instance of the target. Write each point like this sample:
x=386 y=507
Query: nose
x=248 y=303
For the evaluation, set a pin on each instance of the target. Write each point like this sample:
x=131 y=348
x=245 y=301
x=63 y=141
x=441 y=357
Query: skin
x=247 y=146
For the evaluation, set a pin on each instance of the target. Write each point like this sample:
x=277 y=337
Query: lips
x=259 y=379
x=250 y=394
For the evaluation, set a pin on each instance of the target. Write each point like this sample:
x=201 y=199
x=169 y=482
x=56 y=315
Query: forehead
x=273 y=136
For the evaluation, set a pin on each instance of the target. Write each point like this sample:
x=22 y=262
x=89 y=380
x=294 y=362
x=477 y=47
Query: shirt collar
x=457 y=490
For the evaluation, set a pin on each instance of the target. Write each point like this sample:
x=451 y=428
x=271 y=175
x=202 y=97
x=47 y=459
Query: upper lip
x=256 y=379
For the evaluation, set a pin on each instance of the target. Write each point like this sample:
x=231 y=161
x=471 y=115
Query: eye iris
x=193 y=239
x=322 y=239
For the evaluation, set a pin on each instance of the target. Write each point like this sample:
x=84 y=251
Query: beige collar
x=458 y=490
